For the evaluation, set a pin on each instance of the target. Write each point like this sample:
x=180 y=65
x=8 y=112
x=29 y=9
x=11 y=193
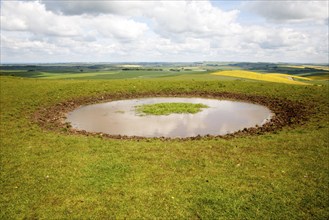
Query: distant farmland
x=301 y=74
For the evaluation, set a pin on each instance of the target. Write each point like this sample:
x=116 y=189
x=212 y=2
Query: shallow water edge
x=120 y=118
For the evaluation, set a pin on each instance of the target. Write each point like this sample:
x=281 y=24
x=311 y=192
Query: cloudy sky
x=134 y=31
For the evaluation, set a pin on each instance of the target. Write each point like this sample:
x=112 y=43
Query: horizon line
x=150 y=62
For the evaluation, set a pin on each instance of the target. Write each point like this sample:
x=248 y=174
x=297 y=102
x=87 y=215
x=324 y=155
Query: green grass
x=113 y=74
x=51 y=175
x=170 y=108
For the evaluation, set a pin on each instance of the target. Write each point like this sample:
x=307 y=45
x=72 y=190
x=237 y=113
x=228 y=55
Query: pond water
x=120 y=118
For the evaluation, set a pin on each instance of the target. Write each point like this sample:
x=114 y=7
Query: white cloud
x=32 y=16
x=291 y=11
x=63 y=31
x=168 y=17
x=273 y=38
x=116 y=26
x=76 y=7
x=198 y=19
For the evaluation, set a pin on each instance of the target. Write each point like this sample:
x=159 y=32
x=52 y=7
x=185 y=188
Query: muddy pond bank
x=286 y=112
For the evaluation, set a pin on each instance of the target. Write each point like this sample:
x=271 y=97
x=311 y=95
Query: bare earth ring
x=286 y=112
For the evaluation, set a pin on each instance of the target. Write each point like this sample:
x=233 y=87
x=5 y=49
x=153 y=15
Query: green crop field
x=54 y=174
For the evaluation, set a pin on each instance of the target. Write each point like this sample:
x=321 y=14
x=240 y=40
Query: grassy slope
x=51 y=175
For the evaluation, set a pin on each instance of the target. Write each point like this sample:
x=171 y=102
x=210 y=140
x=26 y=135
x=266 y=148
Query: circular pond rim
x=286 y=113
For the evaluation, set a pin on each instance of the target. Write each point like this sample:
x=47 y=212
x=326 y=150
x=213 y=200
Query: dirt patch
x=287 y=113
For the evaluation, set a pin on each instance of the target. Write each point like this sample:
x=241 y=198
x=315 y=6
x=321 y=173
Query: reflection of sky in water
x=119 y=117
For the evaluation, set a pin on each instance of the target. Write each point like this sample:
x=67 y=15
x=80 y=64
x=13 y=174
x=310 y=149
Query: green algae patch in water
x=170 y=108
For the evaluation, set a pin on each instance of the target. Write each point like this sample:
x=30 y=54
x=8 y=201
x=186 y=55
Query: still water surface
x=119 y=118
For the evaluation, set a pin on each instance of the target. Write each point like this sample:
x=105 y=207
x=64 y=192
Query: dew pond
x=120 y=118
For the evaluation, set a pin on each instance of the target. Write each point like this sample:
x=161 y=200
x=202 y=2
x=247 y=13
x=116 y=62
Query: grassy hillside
x=54 y=175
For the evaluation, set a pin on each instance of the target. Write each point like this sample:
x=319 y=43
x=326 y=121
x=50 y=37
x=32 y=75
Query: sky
x=45 y=31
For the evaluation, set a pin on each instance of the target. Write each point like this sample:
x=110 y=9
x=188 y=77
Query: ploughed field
x=49 y=172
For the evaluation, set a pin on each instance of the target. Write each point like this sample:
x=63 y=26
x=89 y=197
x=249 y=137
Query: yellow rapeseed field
x=269 y=77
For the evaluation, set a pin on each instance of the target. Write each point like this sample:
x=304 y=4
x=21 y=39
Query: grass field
x=115 y=74
x=55 y=175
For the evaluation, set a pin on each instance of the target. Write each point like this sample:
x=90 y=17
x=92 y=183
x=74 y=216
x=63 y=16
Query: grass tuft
x=170 y=108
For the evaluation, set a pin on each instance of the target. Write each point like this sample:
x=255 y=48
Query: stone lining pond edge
x=287 y=113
